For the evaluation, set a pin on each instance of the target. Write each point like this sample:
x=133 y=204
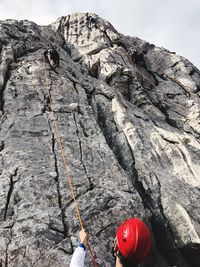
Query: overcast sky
x=173 y=24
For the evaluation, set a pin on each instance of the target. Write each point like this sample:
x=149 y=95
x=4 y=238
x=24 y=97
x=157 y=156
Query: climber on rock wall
x=52 y=57
x=131 y=245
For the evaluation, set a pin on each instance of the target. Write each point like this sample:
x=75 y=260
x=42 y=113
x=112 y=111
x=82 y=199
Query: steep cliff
x=128 y=116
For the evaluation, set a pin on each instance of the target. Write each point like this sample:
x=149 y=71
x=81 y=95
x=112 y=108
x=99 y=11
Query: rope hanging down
x=59 y=140
x=66 y=167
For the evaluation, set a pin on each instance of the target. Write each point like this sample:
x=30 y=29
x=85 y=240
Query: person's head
x=132 y=243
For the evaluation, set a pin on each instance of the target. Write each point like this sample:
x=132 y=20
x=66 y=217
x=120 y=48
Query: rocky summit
x=127 y=114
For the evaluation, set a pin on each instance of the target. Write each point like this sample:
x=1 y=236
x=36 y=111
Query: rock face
x=128 y=116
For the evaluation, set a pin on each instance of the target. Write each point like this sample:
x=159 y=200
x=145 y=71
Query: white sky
x=173 y=24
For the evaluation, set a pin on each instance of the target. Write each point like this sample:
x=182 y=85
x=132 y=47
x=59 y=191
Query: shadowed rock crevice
x=192 y=254
x=2 y=145
x=165 y=242
x=6 y=60
x=91 y=184
x=10 y=191
x=6 y=79
x=164 y=236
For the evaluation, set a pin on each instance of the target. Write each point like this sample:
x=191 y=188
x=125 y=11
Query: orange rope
x=67 y=170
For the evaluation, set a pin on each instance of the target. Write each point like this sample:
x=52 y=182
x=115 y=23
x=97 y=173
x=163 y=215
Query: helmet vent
x=124 y=239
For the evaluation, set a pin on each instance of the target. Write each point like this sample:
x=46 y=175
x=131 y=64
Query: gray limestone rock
x=128 y=117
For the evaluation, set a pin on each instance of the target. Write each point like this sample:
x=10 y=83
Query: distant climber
x=131 y=245
x=52 y=57
x=91 y=21
x=137 y=56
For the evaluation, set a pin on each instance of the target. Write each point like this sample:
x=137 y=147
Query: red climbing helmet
x=133 y=240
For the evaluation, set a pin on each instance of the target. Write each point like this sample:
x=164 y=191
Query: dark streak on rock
x=2 y=145
x=6 y=78
x=11 y=188
x=91 y=184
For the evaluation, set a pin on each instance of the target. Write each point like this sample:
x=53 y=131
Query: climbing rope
x=66 y=167
x=59 y=140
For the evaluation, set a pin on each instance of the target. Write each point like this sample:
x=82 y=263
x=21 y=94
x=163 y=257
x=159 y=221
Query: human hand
x=83 y=236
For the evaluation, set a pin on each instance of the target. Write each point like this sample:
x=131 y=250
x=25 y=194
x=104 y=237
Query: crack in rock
x=57 y=180
x=91 y=184
x=10 y=191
